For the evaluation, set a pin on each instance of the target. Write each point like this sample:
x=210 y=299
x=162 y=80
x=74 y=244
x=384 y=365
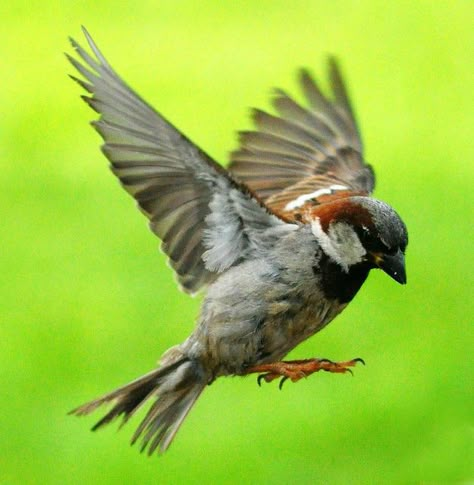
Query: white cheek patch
x=341 y=243
x=299 y=201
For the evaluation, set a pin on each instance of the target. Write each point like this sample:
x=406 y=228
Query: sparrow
x=281 y=240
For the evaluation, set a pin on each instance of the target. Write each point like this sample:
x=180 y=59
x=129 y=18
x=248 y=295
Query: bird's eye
x=372 y=243
x=364 y=235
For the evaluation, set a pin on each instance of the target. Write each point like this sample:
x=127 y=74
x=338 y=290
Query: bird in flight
x=281 y=240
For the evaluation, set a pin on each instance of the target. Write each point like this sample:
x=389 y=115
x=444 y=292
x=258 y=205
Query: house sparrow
x=282 y=240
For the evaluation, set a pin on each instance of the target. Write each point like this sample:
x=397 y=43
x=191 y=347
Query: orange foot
x=297 y=369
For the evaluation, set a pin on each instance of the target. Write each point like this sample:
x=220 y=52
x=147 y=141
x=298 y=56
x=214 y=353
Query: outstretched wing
x=206 y=220
x=304 y=156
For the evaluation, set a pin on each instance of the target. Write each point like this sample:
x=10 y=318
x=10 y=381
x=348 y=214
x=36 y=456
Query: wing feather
x=206 y=220
x=302 y=154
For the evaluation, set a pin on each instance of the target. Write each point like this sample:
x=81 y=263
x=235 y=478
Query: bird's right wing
x=206 y=220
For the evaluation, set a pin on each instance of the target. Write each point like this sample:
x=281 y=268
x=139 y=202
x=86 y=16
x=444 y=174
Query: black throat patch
x=336 y=283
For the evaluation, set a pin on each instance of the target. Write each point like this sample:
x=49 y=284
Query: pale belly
x=257 y=316
x=285 y=325
x=285 y=331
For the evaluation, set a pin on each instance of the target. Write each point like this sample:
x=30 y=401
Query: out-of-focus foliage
x=87 y=301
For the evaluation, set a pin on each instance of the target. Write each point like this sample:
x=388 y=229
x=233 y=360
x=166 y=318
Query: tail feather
x=175 y=387
x=162 y=428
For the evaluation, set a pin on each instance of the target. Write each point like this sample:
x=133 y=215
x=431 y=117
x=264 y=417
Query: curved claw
x=325 y=361
x=282 y=381
x=296 y=369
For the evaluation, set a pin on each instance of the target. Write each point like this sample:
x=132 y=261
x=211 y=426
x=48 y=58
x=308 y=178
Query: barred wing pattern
x=304 y=156
x=206 y=220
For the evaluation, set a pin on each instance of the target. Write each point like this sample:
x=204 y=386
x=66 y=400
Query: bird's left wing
x=206 y=220
x=305 y=155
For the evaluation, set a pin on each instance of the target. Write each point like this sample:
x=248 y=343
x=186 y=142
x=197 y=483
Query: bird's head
x=361 y=230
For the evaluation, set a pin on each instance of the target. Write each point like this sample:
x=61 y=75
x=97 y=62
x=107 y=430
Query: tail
x=175 y=388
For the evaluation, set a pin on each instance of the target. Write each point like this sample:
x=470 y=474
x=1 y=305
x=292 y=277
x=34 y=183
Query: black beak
x=394 y=266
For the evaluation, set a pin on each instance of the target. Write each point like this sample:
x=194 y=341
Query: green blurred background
x=87 y=301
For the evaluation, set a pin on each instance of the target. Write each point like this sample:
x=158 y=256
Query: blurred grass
x=87 y=302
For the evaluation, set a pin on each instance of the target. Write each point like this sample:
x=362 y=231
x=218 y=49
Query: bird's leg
x=297 y=369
